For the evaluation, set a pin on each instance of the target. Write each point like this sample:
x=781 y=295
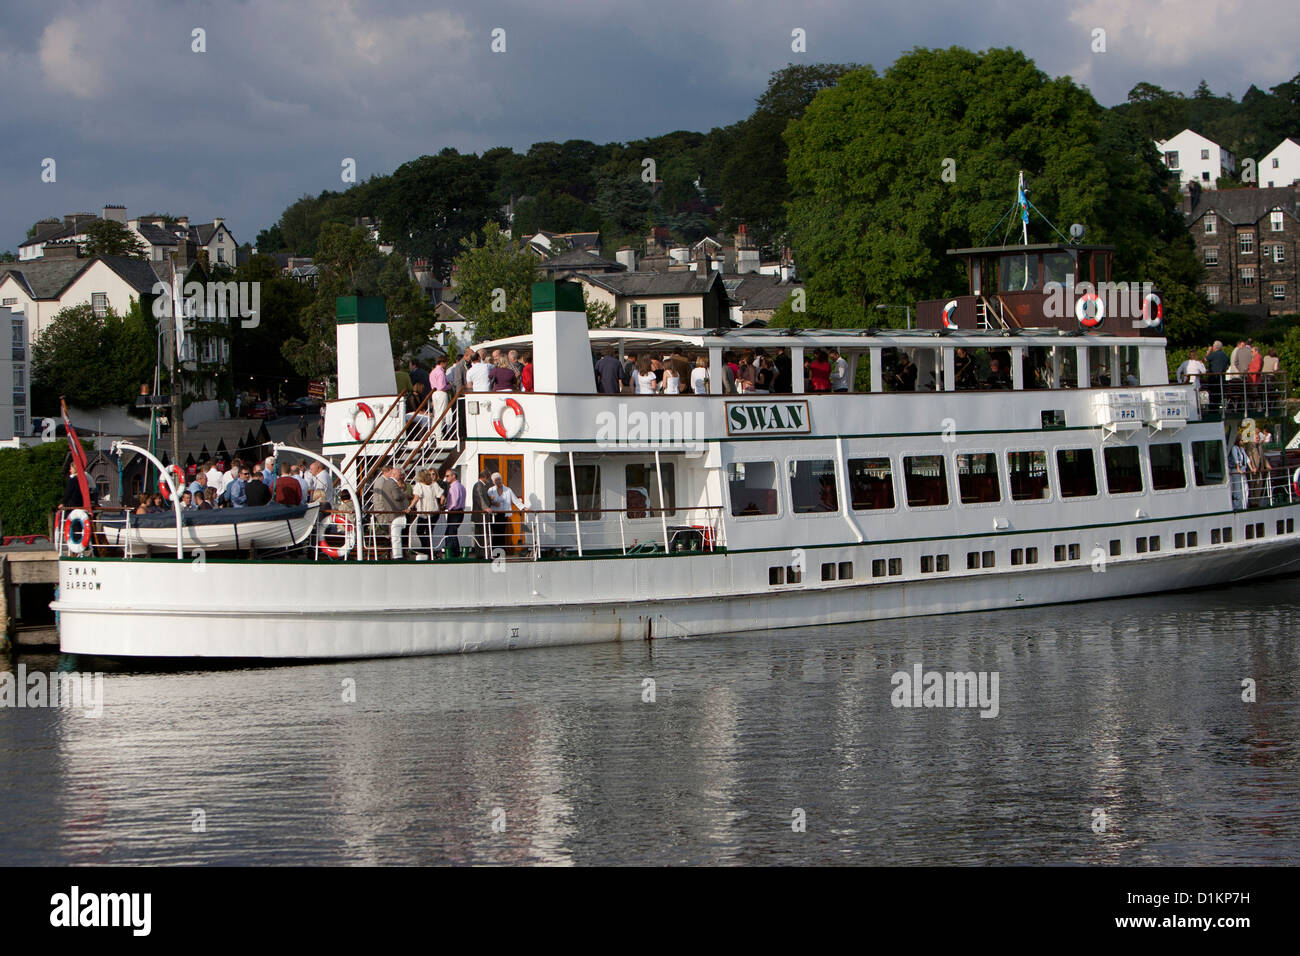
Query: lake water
x=1121 y=736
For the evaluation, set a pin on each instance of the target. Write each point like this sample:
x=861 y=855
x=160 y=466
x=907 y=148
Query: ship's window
x=1250 y=531
x=1073 y=551
x=927 y=484
x=828 y=571
x=588 y=492
x=1031 y=555
x=1227 y=536
x=1123 y=470
x=1018 y=273
x=878 y=568
x=977 y=478
x=1207 y=462
x=1141 y=545
x=1154 y=542
x=776 y=575
x=812 y=486
x=1057 y=267
x=1180 y=540
x=1191 y=539
x=1053 y=417
x=927 y=564
x=941 y=562
x=846 y=570
x=1076 y=471
x=1027 y=471
x=972 y=560
x=1115 y=547
x=643 y=491
x=989 y=559
x=1215 y=536
x=1017 y=555
x=1281 y=526
x=1259 y=530
x=1290 y=525
x=871 y=484
x=752 y=485
x=1167 y=466
x=895 y=566
x=793 y=575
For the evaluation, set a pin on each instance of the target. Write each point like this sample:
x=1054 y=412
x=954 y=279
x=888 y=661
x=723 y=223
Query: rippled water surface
x=1131 y=708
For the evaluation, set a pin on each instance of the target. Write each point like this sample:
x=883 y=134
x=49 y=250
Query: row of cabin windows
x=814 y=489
x=979 y=560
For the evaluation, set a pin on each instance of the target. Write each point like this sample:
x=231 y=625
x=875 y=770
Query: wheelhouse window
x=871 y=483
x=1017 y=273
x=1167 y=466
x=1077 y=472
x=588 y=506
x=926 y=481
x=812 y=487
x=1027 y=472
x=642 y=491
x=1123 y=470
x=752 y=486
x=977 y=478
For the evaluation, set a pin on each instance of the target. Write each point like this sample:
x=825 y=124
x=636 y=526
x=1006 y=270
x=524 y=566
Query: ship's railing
x=427 y=437
x=535 y=535
x=1243 y=394
x=1262 y=489
x=106 y=534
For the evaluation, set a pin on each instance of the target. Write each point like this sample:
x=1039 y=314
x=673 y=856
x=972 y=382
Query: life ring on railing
x=1147 y=319
x=949 y=310
x=1087 y=320
x=76 y=530
x=498 y=415
x=1295 y=482
x=180 y=482
x=360 y=408
x=342 y=525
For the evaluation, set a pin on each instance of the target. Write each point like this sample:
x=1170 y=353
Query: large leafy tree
x=873 y=212
x=485 y=265
x=104 y=237
x=93 y=360
x=430 y=204
x=411 y=318
x=256 y=358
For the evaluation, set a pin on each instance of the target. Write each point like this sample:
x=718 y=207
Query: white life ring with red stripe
x=1090 y=320
x=949 y=311
x=498 y=419
x=76 y=530
x=1152 y=301
x=164 y=490
x=1295 y=482
x=343 y=525
x=360 y=409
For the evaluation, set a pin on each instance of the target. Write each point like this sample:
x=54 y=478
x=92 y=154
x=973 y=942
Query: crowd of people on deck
x=1245 y=361
x=215 y=486
x=750 y=371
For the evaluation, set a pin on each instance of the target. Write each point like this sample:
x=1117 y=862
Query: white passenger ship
x=1087 y=475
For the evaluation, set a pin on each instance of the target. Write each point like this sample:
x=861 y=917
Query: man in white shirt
x=227 y=476
x=479 y=376
x=504 y=501
x=839 y=372
x=318 y=480
x=1192 y=369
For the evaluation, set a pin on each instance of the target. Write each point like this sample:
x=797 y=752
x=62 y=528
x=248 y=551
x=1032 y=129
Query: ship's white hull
x=314 y=611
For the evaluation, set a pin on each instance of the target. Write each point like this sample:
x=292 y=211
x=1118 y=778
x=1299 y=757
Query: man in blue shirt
x=236 y=489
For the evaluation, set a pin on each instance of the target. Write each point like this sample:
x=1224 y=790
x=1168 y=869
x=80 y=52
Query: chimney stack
x=115 y=214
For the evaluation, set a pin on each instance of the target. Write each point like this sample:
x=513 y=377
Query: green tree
x=873 y=213
x=93 y=360
x=31 y=485
x=256 y=359
x=104 y=237
x=411 y=318
x=494 y=283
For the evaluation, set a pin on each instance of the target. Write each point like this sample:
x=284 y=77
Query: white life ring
x=1081 y=311
x=360 y=409
x=343 y=525
x=949 y=310
x=498 y=416
x=164 y=489
x=1295 y=482
x=1152 y=301
x=77 y=537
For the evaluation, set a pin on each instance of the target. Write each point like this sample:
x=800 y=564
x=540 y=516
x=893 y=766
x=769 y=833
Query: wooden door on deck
x=511 y=468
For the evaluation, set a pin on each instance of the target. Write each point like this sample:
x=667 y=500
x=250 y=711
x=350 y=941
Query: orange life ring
x=344 y=526
x=499 y=424
x=1147 y=319
x=949 y=311
x=360 y=408
x=180 y=482
x=1094 y=320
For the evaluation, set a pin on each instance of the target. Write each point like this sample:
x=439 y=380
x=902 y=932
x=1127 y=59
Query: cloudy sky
x=114 y=93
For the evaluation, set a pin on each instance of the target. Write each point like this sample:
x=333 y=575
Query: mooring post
x=4 y=605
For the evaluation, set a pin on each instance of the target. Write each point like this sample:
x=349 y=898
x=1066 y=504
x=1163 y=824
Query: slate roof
x=579 y=259
x=652 y=283
x=157 y=235
x=1243 y=206
x=760 y=293
x=48 y=278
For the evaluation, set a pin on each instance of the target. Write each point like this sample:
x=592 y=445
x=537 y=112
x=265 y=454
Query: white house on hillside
x=1196 y=159
x=1281 y=167
x=15 y=392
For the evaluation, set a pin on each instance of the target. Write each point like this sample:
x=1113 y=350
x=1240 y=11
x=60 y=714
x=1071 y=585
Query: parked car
x=301 y=406
x=260 y=410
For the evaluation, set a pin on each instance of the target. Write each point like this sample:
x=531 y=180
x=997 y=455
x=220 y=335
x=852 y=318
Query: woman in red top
x=819 y=370
x=1256 y=365
x=526 y=377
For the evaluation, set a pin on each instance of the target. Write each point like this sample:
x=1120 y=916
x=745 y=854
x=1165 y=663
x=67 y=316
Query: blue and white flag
x=1024 y=205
